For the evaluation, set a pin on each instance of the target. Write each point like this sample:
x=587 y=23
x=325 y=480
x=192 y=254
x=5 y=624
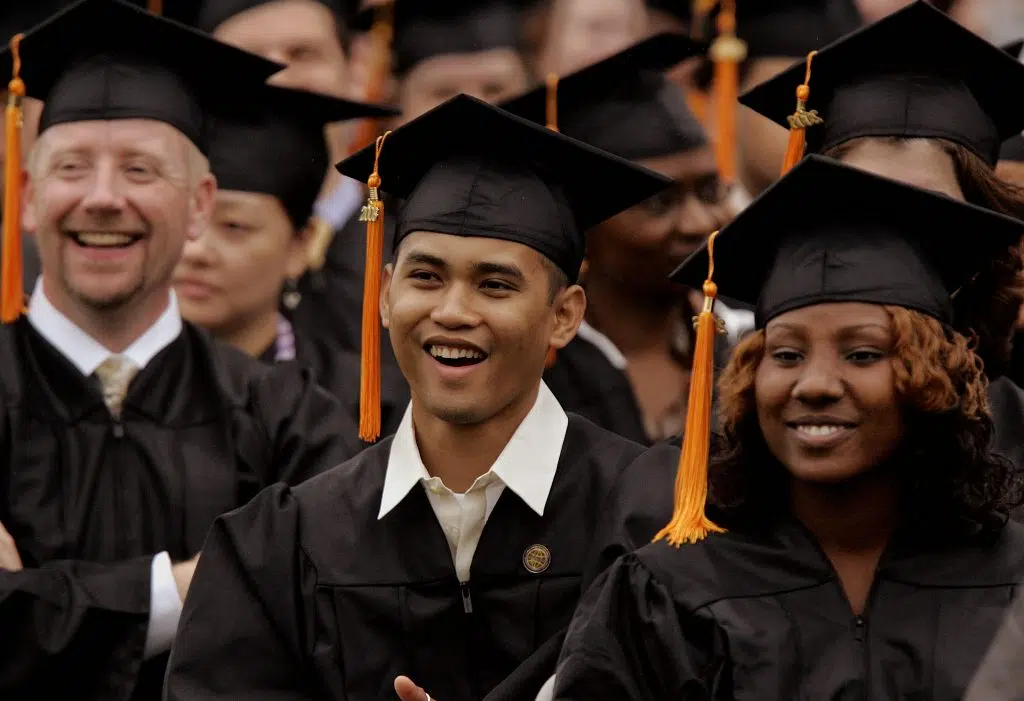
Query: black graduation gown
x=587 y=383
x=305 y=594
x=740 y=617
x=1006 y=402
x=337 y=371
x=90 y=501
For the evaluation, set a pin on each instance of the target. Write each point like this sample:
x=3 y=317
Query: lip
x=453 y=342
x=113 y=254
x=194 y=289
x=453 y=374
x=844 y=429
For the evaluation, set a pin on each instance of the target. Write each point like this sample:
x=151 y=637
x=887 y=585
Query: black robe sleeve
x=241 y=632
x=630 y=641
x=74 y=620
x=307 y=428
x=999 y=677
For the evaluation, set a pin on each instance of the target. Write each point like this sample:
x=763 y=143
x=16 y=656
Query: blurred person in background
x=269 y=155
x=577 y=33
x=628 y=367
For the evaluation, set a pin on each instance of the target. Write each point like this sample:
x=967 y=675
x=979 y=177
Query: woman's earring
x=291 y=295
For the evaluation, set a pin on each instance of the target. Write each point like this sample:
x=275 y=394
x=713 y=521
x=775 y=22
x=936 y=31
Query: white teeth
x=824 y=430
x=102 y=239
x=450 y=353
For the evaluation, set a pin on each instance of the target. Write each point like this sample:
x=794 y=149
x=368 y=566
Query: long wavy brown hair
x=985 y=309
x=950 y=475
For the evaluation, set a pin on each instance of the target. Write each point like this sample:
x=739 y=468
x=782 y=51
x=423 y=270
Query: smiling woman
x=868 y=546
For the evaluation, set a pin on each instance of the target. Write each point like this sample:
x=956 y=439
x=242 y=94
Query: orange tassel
x=156 y=7
x=698 y=104
x=689 y=523
x=369 y=376
x=551 y=105
x=727 y=53
x=381 y=36
x=12 y=297
x=799 y=121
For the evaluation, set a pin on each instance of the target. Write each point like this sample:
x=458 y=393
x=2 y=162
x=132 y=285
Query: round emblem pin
x=537 y=558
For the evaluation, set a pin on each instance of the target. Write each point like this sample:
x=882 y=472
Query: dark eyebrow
x=506 y=269
x=848 y=331
x=426 y=259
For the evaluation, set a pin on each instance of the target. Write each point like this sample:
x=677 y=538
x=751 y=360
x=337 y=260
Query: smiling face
x=825 y=391
x=111 y=204
x=471 y=320
x=231 y=277
x=641 y=246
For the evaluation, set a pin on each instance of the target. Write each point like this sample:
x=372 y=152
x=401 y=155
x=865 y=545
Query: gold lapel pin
x=536 y=559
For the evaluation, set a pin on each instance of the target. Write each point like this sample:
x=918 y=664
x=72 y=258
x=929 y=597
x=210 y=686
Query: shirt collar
x=527 y=465
x=85 y=352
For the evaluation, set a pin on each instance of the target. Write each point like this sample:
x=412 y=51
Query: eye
x=786 y=356
x=423 y=276
x=235 y=226
x=660 y=204
x=70 y=166
x=139 y=171
x=494 y=285
x=865 y=356
x=710 y=190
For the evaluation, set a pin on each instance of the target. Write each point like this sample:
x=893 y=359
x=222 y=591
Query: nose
x=697 y=218
x=103 y=196
x=200 y=251
x=820 y=382
x=454 y=310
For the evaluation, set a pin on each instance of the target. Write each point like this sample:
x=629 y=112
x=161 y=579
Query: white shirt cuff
x=547 y=692
x=164 y=607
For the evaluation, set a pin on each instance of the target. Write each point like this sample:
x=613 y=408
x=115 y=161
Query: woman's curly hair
x=985 y=309
x=950 y=474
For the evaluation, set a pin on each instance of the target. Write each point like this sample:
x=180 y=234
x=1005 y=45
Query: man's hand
x=9 y=557
x=408 y=691
x=183 y=572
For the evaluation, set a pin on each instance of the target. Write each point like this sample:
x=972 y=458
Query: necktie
x=115 y=374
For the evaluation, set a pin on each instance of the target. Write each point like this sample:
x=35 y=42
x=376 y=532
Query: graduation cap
x=793 y=27
x=213 y=13
x=108 y=59
x=273 y=143
x=905 y=249
x=467 y=168
x=622 y=104
x=425 y=29
x=915 y=73
x=1013 y=149
x=1014 y=48
x=16 y=16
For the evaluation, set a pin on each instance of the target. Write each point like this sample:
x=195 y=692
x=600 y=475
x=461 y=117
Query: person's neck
x=253 y=338
x=856 y=516
x=460 y=453
x=115 y=329
x=633 y=321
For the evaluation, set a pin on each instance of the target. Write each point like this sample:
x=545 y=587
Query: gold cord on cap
x=800 y=120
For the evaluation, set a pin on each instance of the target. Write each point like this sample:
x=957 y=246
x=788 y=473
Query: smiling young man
x=455 y=551
x=125 y=431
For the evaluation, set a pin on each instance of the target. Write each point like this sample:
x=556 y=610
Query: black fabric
x=914 y=73
x=337 y=371
x=274 y=144
x=213 y=13
x=108 y=59
x=603 y=103
x=90 y=501
x=832 y=233
x=742 y=616
x=1013 y=149
x=793 y=27
x=468 y=168
x=423 y=30
x=319 y=598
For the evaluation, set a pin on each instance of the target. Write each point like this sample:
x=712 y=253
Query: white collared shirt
x=527 y=466
x=87 y=354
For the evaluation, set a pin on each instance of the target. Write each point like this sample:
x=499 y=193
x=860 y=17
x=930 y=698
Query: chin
x=825 y=472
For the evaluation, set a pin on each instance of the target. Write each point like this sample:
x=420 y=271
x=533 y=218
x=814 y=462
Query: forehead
x=278 y=22
x=832 y=317
x=687 y=164
x=468 y=251
x=923 y=163
x=241 y=200
x=116 y=135
x=500 y=63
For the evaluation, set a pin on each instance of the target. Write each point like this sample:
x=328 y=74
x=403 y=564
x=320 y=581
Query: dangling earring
x=291 y=295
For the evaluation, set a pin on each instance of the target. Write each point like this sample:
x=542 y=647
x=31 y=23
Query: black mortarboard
x=467 y=168
x=793 y=27
x=1014 y=48
x=915 y=73
x=107 y=59
x=1013 y=149
x=214 y=13
x=425 y=29
x=273 y=143
x=623 y=104
x=827 y=232
x=18 y=16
